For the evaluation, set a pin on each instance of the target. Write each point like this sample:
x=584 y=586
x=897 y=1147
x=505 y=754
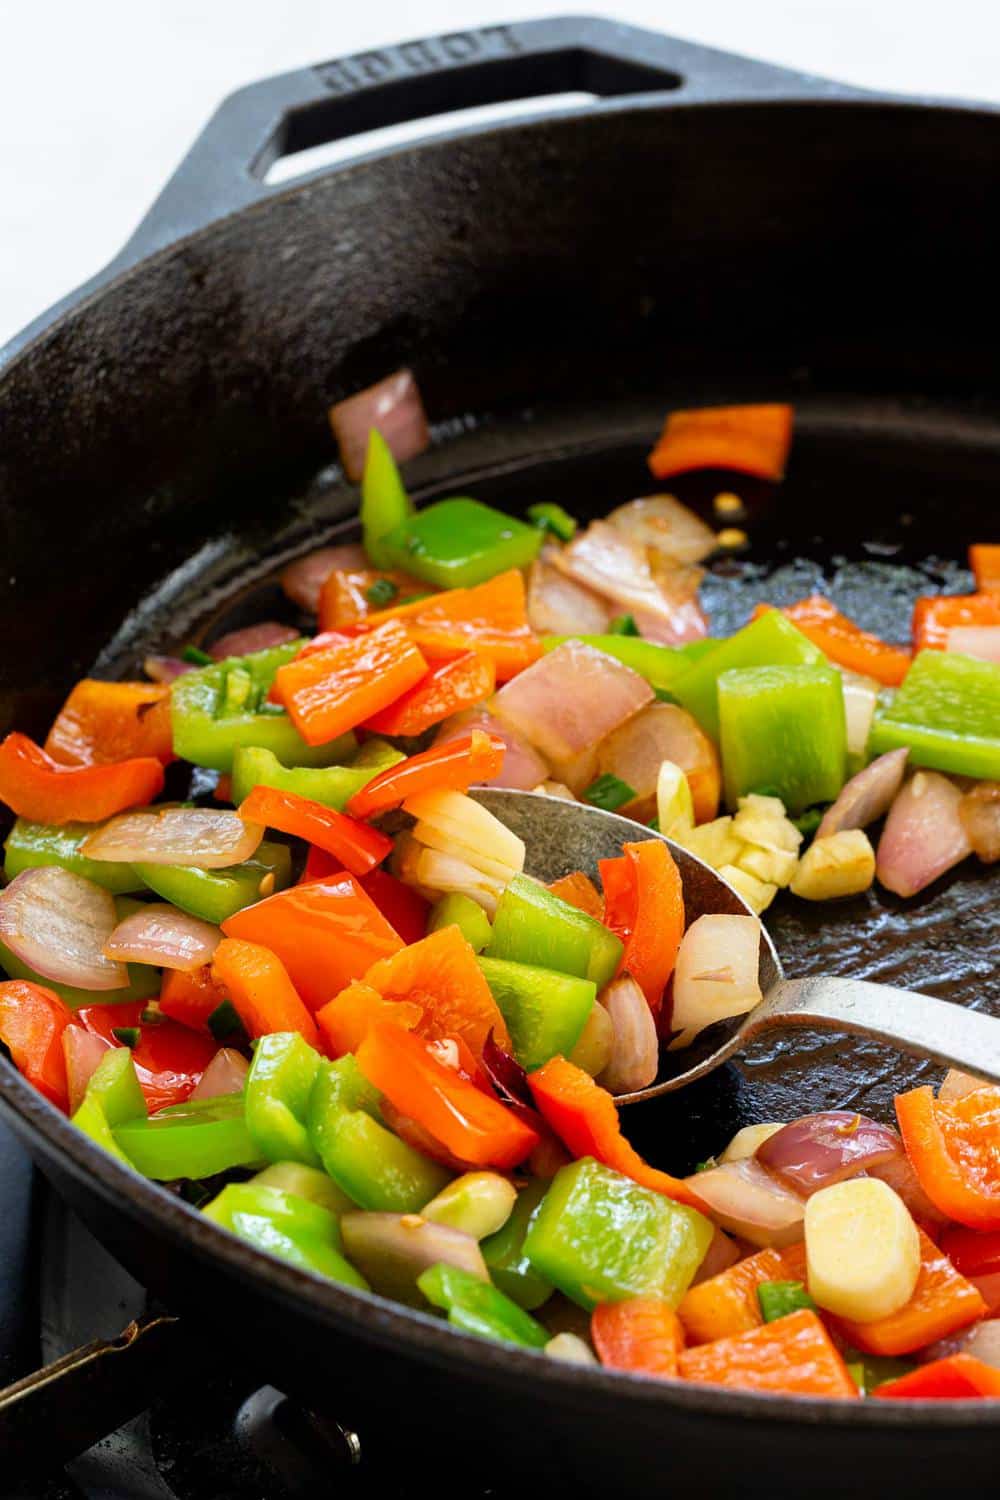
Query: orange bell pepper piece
x=844 y=642
x=749 y=439
x=32 y=1022
x=190 y=998
x=793 y=1355
x=984 y=560
x=727 y=1304
x=346 y=1019
x=580 y=891
x=102 y=723
x=471 y=1124
x=440 y=974
x=343 y=599
x=584 y=1117
x=952 y=1147
x=328 y=692
x=325 y=933
x=37 y=787
x=357 y=846
x=403 y=907
x=448 y=687
x=491 y=618
x=937 y=614
x=958 y=1377
x=262 y=994
x=642 y=1335
x=454 y=766
x=644 y=905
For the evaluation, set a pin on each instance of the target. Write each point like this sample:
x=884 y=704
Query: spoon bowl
x=560 y=836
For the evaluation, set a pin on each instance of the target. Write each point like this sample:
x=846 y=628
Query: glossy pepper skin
x=533 y=926
x=328 y=692
x=113 y=1098
x=783 y=727
x=947 y=714
x=333 y=786
x=659 y=665
x=384 y=501
x=32 y=1021
x=473 y=1306
x=504 y=1255
x=35 y=786
x=29 y=845
x=278 y=1089
x=769 y=641
x=545 y=1011
x=215 y=895
x=358 y=847
x=286 y=1225
x=195 y=1140
x=459 y=543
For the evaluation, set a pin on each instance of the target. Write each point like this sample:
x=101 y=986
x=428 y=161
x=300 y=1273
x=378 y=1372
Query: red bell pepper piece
x=32 y=1022
x=953 y=1149
x=959 y=1377
x=642 y=1335
x=749 y=439
x=970 y=1252
x=471 y=1124
x=584 y=1117
x=169 y=1058
x=37 y=787
x=403 y=907
x=491 y=619
x=984 y=560
x=644 y=905
x=358 y=847
x=454 y=766
x=190 y=998
x=937 y=614
x=262 y=994
x=330 y=691
x=844 y=642
x=102 y=723
x=326 y=933
x=440 y=974
x=448 y=687
x=793 y=1355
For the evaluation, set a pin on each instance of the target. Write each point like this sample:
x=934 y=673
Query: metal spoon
x=561 y=836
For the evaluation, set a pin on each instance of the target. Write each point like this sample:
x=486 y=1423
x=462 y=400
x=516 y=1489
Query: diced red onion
x=391 y=1250
x=819 y=1150
x=982 y=1341
x=58 y=923
x=163 y=935
x=982 y=641
x=510 y=1084
x=670 y=528
x=558 y=605
x=923 y=836
x=567 y=702
x=720 y=1255
x=716 y=975
x=636 y=750
x=979 y=811
x=206 y=838
x=303 y=579
x=661 y=597
x=635 y=1057
x=394 y=407
x=82 y=1051
x=252 y=638
x=751 y=1202
x=225 y=1074
x=165 y=668
x=867 y=796
x=522 y=767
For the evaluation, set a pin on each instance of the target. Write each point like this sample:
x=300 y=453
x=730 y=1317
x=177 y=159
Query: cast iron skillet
x=709 y=229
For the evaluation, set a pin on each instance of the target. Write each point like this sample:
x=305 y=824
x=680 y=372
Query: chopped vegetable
x=262 y=993
x=716 y=974
x=924 y=835
x=659 y=594
x=440 y=975
x=449 y=687
x=793 y=1356
x=112 y=1098
x=58 y=925
x=867 y=796
x=767 y=642
x=215 y=895
x=346 y=1019
x=846 y=643
x=751 y=1202
x=459 y=543
x=206 y=838
x=477 y=1203
x=549 y=517
x=473 y=1306
x=644 y=906
x=392 y=1250
x=35 y=786
x=162 y=935
x=459 y=911
x=783 y=727
x=668 y=527
x=278 y=1090
x=384 y=501
x=330 y=691
x=532 y=926
x=958 y=1377
x=392 y=407
x=303 y=580
x=642 y=1335
x=935 y=617
x=837 y=865
x=490 y=619
x=545 y=1011
x=504 y=1254
x=635 y=1051
x=749 y=439
x=947 y=712
x=729 y=1304
x=102 y=723
x=453 y=766
x=984 y=560
x=608 y=792
x=862 y=1250
x=29 y=845
x=189 y=1140
x=358 y=847
x=674 y=804
x=287 y=1225
x=818 y=1150
x=979 y=811
x=333 y=786
x=32 y=1022
x=952 y=1146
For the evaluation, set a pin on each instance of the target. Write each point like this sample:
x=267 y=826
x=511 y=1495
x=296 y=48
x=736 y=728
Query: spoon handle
x=948 y=1033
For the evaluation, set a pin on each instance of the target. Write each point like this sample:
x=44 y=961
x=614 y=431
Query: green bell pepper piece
x=456 y=910
x=947 y=713
x=545 y=1011
x=600 y=1237
x=548 y=516
x=286 y=1225
x=333 y=786
x=779 y=1298
x=144 y=980
x=113 y=1097
x=215 y=895
x=458 y=543
x=533 y=926
x=384 y=501
x=504 y=1254
x=608 y=792
x=374 y=1167
x=869 y=1371
x=212 y=715
x=195 y=1139
x=659 y=665
x=278 y=1089
x=771 y=641
x=475 y=1306
x=32 y=844
x=305 y=1182
x=377 y=754
x=783 y=728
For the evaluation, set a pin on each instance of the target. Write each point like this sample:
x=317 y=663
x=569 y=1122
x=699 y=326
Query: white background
x=99 y=98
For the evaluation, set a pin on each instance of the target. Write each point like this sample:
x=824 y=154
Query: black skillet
x=708 y=229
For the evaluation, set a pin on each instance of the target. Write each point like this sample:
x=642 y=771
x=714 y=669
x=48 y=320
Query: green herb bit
x=706 y=1165
x=127 y=1035
x=151 y=1014
x=623 y=625
x=609 y=792
x=224 y=1021
x=808 y=822
x=382 y=591
x=779 y=1298
x=196 y=656
x=550 y=517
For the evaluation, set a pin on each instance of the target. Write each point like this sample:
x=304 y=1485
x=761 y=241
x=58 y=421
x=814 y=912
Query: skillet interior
x=552 y=307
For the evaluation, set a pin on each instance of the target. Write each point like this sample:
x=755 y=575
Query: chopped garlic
x=842 y=864
x=773 y=866
x=862 y=1250
x=571 y=1348
x=674 y=804
x=762 y=821
x=555 y=789
x=713 y=842
x=758 y=894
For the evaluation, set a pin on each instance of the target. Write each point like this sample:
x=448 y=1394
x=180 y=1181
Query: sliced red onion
x=391 y=1250
x=661 y=596
x=58 y=923
x=165 y=936
x=252 y=638
x=558 y=605
x=716 y=975
x=982 y=641
x=867 y=796
x=303 y=579
x=819 y=1150
x=82 y=1051
x=751 y=1202
x=522 y=767
x=510 y=1084
x=394 y=407
x=923 y=836
x=225 y=1074
x=636 y=750
x=635 y=1056
x=979 y=811
x=720 y=1255
x=165 y=668
x=898 y=1174
x=663 y=523
x=203 y=837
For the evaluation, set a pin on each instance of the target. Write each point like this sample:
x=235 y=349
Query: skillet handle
x=225 y=169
